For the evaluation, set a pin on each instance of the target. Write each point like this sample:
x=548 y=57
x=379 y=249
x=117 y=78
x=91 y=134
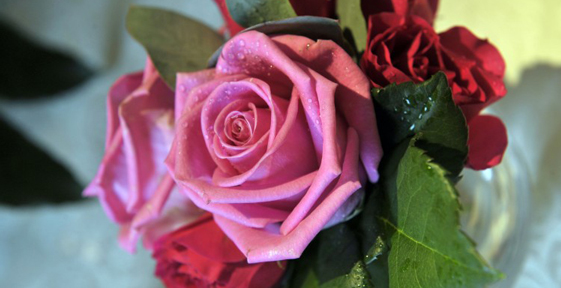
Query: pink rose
x=276 y=141
x=132 y=182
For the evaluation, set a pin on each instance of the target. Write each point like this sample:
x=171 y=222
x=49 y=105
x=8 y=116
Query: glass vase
x=496 y=205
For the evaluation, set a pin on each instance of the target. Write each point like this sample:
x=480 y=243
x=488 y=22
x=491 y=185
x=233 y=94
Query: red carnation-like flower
x=406 y=48
x=200 y=255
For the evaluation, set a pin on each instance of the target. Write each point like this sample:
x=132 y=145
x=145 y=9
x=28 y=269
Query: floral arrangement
x=318 y=146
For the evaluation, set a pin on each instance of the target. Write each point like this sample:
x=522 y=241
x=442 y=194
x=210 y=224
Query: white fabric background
x=75 y=245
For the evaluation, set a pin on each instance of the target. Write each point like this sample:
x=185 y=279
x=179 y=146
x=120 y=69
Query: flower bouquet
x=305 y=144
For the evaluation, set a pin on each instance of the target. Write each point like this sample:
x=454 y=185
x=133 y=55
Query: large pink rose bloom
x=132 y=182
x=276 y=141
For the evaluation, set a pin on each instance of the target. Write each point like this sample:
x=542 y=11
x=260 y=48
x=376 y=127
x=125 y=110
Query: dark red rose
x=406 y=48
x=200 y=255
x=321 y=8
x=422 y=8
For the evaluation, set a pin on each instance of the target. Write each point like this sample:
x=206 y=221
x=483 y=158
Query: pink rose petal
x=268 y=244
x=352 y=96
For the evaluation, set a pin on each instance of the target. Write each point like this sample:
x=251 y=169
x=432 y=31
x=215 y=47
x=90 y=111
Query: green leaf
x=308 y=26
x=352 y=20
x=426 y=109
x=428 y=249
x=30 y=70
x=372 y=233
x=338 y=251
x=174 y=42
x=358 y=277
x=311 y=280
x=252 y=12
x=29 y=176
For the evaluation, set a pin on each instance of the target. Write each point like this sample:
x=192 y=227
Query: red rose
x=200 y=255
x=406 y=48
x=321 y=8
x=422 y=8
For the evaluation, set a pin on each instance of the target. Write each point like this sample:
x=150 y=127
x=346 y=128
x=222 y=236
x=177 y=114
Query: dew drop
x=242 y=43
x=181 y=88
x=241 y=56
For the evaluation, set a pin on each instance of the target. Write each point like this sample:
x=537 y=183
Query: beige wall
x=527 y=32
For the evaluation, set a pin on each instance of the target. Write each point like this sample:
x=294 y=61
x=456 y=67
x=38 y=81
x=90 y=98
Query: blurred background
x=58 y=59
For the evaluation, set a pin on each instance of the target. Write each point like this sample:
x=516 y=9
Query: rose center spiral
x=238 y=127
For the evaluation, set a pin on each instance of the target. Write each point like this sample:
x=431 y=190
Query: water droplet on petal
x=241 y=56
x=242 y=43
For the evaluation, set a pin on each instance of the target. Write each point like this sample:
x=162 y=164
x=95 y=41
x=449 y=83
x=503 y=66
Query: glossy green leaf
x=252 y=12
x=426 y=109
x=428 y=249
x=29 y=176
x=174 y=42
x=357 y=277
x=338 y=251
x=352 y=20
